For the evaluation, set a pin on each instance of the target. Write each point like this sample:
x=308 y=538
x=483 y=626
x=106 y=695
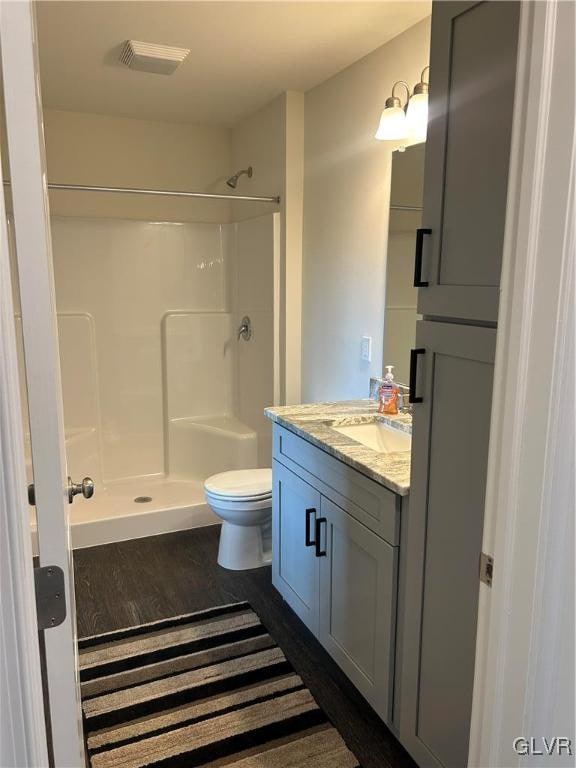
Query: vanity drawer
x=371 y=504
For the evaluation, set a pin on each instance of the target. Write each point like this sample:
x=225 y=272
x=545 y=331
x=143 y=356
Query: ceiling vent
x=150 y=57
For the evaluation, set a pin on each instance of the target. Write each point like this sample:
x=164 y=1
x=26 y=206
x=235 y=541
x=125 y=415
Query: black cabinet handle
x=309 y=541
x=317 y=536
x=418 y=282
x=414 y=374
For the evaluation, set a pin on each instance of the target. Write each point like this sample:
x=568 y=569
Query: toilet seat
x=238 y=505
x=240 y=485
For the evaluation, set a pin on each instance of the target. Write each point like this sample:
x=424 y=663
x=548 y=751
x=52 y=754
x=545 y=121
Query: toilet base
x=243 y=547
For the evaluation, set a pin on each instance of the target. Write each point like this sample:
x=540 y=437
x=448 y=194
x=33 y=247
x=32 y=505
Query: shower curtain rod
x=180 y=193
x=163 y=192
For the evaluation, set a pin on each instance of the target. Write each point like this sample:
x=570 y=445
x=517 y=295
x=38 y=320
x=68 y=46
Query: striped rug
x=207 y=689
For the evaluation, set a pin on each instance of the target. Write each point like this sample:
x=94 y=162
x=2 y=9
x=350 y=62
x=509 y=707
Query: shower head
x=233 y=180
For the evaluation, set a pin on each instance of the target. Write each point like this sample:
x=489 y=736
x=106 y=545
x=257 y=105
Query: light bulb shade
x=392 y=124
x=417 y=116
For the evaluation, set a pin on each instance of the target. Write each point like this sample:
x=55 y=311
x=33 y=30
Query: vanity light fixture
x=417 y=111
x=409 y=121
x=393 y=118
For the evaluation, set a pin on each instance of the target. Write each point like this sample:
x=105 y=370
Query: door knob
x=86 y=488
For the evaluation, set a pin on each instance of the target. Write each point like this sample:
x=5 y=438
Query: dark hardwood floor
x=133 y=582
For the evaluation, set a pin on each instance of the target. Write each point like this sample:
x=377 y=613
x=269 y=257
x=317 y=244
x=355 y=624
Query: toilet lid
x=228 y=497
x=241 y=484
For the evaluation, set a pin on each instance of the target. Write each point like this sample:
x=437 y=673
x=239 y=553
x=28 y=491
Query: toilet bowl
x=242 y=499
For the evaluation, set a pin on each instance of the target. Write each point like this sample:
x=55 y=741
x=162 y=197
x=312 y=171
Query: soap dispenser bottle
x=388 y=394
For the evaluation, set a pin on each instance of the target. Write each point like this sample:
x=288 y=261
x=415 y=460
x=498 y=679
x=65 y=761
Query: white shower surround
x=158 y=393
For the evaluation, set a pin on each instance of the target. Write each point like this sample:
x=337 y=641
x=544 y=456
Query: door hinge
x=50 y=596
x=486 y=568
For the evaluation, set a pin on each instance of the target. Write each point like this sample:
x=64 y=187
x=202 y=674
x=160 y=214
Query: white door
x=25 y=144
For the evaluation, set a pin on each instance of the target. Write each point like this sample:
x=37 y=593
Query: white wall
x=252 y=283
x=346 y=199
x=258 y=140
x=290 y=319
x=115 y=151
x=272 y=141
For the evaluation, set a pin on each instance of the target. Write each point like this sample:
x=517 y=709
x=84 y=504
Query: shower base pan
x=132 y=509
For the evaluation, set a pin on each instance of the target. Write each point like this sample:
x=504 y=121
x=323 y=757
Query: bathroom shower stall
x=161 y=389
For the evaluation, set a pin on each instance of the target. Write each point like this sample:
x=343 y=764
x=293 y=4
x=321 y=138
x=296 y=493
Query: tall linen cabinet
x=457 y=272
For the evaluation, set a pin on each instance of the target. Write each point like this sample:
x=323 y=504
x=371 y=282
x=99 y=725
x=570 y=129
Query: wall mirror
x=405 y=218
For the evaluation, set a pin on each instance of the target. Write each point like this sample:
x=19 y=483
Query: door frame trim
x=524 y=618
x=25 y=145
x=20 y=673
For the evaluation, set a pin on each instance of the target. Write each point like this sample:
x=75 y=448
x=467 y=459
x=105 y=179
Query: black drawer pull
x=418 y=282
x=317 y=536
x=309 y=541
x=414 y=374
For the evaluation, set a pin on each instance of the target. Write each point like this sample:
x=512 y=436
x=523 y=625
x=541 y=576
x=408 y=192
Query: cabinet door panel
x=358 y=604
x=295 y=565
x=449 y=460
x=472 y=83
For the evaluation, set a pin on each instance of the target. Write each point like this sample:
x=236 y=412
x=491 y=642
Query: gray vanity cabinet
x=444 y=539
x=472 y=83
x=295 y=570
x=335 y=551
x=357 y=604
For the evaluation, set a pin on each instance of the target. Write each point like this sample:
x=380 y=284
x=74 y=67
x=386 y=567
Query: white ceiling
x=243 y=53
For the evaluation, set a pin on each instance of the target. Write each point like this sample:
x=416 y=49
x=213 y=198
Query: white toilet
x=243 y=500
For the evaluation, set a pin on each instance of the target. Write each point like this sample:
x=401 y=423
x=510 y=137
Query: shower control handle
x=245 y=330
x=86 y=488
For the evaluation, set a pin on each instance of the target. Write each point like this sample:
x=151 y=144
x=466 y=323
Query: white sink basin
x=378 y=437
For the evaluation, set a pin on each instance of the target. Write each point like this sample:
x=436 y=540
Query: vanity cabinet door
x=472 y=84
x=295 y=569
x=444 y=528
x=358 y=604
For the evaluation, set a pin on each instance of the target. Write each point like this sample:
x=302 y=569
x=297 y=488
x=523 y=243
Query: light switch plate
x=366 y=349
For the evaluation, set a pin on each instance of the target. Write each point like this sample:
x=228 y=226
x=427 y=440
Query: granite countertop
x=313 y=422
